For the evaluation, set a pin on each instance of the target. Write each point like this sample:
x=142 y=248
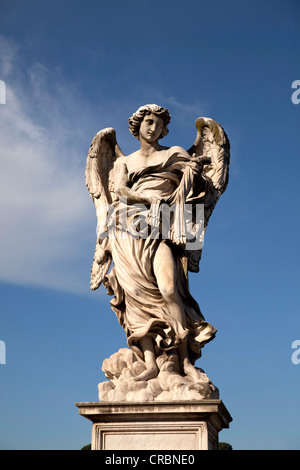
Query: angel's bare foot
x=191 y=371
x=149 y=373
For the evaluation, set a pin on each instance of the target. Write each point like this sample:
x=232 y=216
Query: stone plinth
x=192 y=425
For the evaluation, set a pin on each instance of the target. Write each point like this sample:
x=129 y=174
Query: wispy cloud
x=9 y=55
x=194 y=108
x=47 y=219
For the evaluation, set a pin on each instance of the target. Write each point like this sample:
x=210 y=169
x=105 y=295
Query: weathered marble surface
x=181 y=425
x=165 y=328
x=170 y=385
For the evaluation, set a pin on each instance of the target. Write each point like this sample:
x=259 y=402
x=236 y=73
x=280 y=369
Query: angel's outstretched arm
x=122 y=185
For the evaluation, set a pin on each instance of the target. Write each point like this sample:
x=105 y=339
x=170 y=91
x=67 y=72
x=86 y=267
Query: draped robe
x=137 y=300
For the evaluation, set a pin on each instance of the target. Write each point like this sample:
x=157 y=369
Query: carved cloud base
x=156 y=426
x=123 y=367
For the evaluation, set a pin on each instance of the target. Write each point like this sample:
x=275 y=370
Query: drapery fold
x=137 y=301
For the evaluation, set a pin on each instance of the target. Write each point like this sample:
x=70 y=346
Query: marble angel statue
x=148 y=279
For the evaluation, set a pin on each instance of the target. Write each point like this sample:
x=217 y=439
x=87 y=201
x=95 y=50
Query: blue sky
x=74 y=67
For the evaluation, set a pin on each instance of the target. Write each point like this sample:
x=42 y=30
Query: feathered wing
x=212 y=143
x=103 y=152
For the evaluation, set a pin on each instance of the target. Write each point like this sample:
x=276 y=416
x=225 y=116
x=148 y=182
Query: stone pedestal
x=192 y=425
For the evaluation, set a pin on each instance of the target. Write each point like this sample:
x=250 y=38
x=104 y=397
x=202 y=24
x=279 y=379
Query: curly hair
x=136 y=119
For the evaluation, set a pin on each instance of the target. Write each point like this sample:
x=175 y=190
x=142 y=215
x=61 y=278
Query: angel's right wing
x=103 y=152
x=211 y=144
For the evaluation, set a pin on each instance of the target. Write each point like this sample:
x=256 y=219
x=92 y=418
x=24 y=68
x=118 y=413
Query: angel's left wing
x=211 y=145
x=103 y=152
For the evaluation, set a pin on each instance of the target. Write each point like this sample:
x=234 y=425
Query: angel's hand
x=196 y=164
x=196 y=168
x=201 y=160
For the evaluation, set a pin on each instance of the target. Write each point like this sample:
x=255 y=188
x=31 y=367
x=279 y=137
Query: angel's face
x=151 y=128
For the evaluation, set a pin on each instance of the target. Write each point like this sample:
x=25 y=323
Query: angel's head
x=137 y=118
